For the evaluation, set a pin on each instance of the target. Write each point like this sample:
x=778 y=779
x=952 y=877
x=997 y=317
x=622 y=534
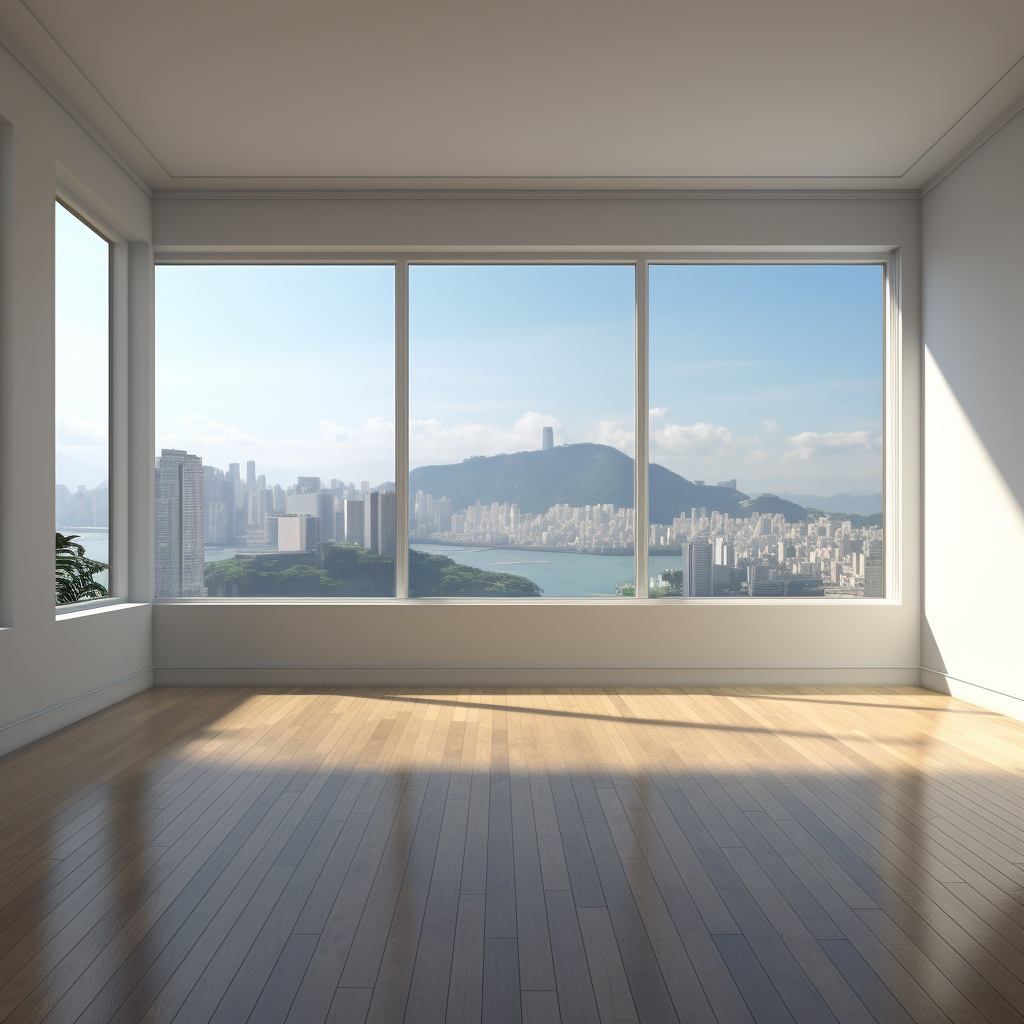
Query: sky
x=770 y=375
x=81 y=329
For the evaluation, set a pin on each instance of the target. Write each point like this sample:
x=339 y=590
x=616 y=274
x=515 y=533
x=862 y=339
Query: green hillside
x=345 y=570
x=576 y=474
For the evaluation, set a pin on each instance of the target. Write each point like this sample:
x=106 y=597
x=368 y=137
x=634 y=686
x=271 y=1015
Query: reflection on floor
x=488 y=855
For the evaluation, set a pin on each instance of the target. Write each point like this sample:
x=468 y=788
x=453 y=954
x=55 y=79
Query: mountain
x=773 y=505
x=860 y=504
x=573 y=474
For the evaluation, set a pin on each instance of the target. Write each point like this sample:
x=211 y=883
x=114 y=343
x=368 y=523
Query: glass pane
x=766 y=391
x=81 y=406
x=275 y=431
x=521 y=431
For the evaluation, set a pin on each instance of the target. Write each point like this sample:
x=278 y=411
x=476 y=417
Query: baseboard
x=533 y=676
x=42 y=723
x=973 y=693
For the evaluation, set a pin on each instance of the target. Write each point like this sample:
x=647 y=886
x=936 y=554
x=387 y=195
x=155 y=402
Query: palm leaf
x=74 y=572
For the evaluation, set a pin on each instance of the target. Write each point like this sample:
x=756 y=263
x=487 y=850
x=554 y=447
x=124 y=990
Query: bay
x=557 y=573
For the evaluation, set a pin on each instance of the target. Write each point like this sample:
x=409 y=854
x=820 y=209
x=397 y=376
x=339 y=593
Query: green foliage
x=74 y=572
x=673 y=584
x=346 y=570
x=574 y=474
x=440 y=576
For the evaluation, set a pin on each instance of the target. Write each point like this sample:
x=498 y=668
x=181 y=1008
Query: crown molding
x=72 y=111
x=974 y=145
x=490 y=194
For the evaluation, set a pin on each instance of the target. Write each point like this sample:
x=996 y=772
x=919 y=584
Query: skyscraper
x=548 y=439
x=387 y=524
x=354 y=520
x=874 y=571
x=697 y=571
x=250 y=476
x=179 y=525
x=371 y=520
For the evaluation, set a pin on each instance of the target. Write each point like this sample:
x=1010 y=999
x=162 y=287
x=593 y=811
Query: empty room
x=537 y=495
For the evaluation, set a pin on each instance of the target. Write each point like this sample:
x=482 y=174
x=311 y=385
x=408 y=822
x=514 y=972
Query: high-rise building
x=365 y=486
x=371 y=520
x=216 y=525
x=725 y=551
x=250 y=476
x=760 y=583
x=180 y=530
x=874 y=571
x=354 y=520
x=547 y=439
x=297 y=532
x=316 y=504
x=387 y=523
x=256 y=507
x=308 y=485
x=698 y=580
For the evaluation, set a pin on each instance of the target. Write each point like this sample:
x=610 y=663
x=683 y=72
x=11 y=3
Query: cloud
x=810 y=445
x=73 y=431
x=769 y=426
x=699 y=441
x=615 y=434
x=431 y=442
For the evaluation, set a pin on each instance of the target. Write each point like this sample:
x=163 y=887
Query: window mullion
x=641 y=458
x=402 y=427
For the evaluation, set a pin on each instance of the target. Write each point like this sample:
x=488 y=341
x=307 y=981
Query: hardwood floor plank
x=540 y=1008
x=465 y=987
x=611 y=987
x=501 y=1001
x=576 y=1001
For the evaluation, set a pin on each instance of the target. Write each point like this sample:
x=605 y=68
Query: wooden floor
x=598 y=856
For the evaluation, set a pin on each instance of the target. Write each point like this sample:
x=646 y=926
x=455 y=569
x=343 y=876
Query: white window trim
x=889 y=258
x=117 y=401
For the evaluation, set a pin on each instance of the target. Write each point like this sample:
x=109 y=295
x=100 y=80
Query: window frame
x=888 y=258
x=117 y=402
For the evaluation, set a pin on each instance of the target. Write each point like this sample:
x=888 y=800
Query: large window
x=762 y=432
x=766 y=431
x=521 y=431
x=82 y=400
x=275 y=461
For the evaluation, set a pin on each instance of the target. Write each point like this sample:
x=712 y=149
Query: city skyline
x=756 y=555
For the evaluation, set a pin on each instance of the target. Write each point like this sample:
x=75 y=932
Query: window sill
x=536 y=602
x=87 y=608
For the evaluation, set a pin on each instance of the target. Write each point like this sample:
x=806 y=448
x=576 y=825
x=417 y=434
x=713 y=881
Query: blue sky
x=81 y=330
x=771 y=375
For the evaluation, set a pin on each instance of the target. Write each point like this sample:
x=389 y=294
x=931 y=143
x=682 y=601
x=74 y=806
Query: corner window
x=82 y=409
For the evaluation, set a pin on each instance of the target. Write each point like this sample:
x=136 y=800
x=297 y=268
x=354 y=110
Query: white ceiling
x=732 y=93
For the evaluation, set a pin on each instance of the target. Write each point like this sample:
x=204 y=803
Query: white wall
x=421 y=642
x=53 y=671
x=973 y=310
